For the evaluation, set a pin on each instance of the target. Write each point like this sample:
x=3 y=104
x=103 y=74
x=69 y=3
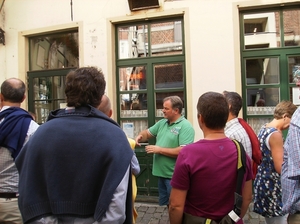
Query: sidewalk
x=150 y=213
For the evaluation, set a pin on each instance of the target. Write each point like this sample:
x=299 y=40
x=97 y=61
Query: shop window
x=151 y=66
x=51 y=57
x=270 y=58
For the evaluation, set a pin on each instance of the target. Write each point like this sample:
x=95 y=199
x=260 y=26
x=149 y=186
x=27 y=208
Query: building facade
x=151 y=49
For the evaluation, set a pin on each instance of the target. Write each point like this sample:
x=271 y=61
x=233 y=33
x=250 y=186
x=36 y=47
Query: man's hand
x=138 y=139
x=153 y=149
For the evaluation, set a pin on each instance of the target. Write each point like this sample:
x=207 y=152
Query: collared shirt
x=179 y=133
x=290 y=173
x=9 y=176
x=235 y=130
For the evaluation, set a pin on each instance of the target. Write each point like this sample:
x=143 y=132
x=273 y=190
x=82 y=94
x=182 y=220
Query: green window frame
x=150 y=65
x=51 y=56
x=270 y=53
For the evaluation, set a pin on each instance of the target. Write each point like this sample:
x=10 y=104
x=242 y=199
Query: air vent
x=142 y=4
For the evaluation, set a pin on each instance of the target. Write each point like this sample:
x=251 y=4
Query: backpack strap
x=241 y=165
x=241 y=169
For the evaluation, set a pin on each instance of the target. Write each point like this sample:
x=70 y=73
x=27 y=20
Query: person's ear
x=110 y=112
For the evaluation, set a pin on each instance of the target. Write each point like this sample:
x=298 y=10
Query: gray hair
x=175 y=101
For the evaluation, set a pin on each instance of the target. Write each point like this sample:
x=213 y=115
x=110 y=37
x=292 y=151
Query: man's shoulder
x=296 y=117
x=233 y=126
x=183 y=121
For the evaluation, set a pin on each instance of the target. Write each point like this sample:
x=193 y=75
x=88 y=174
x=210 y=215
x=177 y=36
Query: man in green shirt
x=171 y=133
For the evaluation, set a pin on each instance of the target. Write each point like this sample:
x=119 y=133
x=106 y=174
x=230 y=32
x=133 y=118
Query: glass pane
x=133 y=127
x=132 y=41
x=166 y=38
x=159 y=101
x=295 y=95
x=58 y=87
x=291 y=22
x=261 y=30
x=54 y=51
x=168 y=76
x=46 y=88
x=43 y=108
x=294 y=68
x=134 y=105
x=132 y=78
x=262 y=100
x=257 y=123
x=41 y=88
x=262 y=71
x=49 y=94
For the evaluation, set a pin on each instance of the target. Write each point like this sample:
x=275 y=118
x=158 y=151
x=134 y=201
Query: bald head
x=13 y=91
x=105 y=106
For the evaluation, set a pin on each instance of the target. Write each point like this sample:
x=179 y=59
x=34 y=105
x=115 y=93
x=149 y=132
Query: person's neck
x=10 y=104
x=230 y=117
x=174 y=119
x=275 y=123
x=214 y=134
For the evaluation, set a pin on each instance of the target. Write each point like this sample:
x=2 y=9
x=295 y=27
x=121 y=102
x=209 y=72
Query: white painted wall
x=211 y=34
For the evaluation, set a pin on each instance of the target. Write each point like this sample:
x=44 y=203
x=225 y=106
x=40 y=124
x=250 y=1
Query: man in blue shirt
x=16 y=127
x=290 y=173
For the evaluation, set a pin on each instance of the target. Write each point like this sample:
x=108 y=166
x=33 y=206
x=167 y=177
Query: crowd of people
x=80 y=167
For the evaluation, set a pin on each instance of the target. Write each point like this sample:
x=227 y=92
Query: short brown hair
x=85 y=86
x=214 y=109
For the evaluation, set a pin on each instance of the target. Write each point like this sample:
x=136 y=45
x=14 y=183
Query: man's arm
x=171 y=152
x=247 y=197
x=143 y=136
x=116 y=210
x=176 y=205
x=135 y=165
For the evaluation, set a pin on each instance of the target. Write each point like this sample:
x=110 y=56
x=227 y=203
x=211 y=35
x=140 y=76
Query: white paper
x=128 y=129
x=296 y=95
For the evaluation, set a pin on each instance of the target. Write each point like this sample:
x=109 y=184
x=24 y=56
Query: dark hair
x=175 y=101
x=85 y=86
x=235 y=100
x=13 y=90
x=214 y=109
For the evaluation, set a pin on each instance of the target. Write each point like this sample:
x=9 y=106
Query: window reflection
x=48 y=94
x=54 y=51
x=262 y=71
x=168 y=76
x=269 y=95
x=261 y=30
x=291 y=22
x=294 y=68
x=132 y=78
x=165 y=39
x=133 y=101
